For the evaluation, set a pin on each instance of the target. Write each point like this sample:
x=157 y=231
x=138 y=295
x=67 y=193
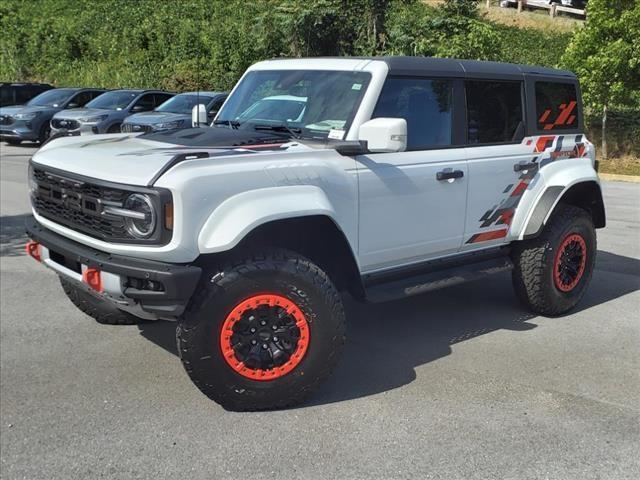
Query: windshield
x=183 y=103
x=51 y=98
x=116 y=100
x=314 y=102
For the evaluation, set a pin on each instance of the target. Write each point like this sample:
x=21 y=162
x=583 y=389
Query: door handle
x=518 y=167
x=448 y=174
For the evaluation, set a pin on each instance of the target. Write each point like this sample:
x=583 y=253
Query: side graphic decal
x=546 y=149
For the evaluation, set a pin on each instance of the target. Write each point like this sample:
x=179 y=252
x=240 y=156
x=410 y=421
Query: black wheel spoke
x=265 y=337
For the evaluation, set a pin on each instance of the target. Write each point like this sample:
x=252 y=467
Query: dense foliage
x=209 y=43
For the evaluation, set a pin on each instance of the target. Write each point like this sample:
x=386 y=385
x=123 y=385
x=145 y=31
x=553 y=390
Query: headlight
x=140 y=219
x=33 y=185
x=96 y=119
x=26 y=116
x=169 y=125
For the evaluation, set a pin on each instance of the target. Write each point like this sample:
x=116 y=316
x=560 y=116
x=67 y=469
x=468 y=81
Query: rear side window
x=494 y=112
x=426 y=106
x=556 y=106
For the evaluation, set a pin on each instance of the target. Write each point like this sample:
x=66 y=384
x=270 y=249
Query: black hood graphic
x=216 y=137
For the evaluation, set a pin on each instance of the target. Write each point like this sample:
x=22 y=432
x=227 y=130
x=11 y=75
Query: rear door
x=496 y=156
x=406 y=214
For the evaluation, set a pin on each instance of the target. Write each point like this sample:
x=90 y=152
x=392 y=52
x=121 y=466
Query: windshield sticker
x=356 y=86
x=336 y=134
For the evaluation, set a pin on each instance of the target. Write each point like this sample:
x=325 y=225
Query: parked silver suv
x=106 y=113
x=174 y=113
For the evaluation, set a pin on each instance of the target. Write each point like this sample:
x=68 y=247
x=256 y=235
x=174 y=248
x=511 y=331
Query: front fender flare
x=234 y=218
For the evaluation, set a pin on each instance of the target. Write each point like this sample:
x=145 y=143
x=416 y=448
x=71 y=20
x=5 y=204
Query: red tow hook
x=34 y=250
x=93 y=278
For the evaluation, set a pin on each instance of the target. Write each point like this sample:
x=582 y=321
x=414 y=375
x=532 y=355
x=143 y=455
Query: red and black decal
x=563 y=119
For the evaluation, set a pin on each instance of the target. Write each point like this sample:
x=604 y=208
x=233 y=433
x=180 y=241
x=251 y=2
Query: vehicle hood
x=76 y=113
x=152 y=118
x=25 y=109
x=137 y=159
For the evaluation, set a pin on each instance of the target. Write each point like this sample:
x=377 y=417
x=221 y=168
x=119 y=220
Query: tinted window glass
x=494 y=112
x=556 y=106
x=160 y=98
x=145 y=102
x=81 y=99
x=424 y=104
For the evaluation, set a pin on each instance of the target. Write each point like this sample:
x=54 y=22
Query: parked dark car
x=175 y=112
x=31 y=121
x=20 y=93
x=106 y=113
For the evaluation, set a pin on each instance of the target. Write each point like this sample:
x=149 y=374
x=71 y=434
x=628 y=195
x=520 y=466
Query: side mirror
x=73 y=105
x=384 y=135
x=199 y=115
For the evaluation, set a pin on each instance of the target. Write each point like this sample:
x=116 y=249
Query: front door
x=412 y=203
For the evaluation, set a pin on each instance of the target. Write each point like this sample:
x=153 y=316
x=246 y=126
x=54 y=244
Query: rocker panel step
x=426 y=282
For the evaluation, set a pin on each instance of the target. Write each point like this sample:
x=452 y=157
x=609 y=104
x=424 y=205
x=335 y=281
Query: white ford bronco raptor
x=381 y=177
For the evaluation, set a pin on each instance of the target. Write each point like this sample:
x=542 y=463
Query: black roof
x=464 y=68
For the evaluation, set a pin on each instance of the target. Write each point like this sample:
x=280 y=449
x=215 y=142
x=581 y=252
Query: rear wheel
x=552 y=271
x=263 y=332
x=114 y=128
x=101 y=310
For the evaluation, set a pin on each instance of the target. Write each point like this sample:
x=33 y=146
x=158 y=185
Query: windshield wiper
x=234 y=124
x=294 y=132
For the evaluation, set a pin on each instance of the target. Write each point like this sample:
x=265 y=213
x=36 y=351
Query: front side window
x=313 y=102
x=144 y=103
x=556 y=106
x=494 y=112
x=115 y=100
x=81 y=99
x=51 y=98
x=426 y=106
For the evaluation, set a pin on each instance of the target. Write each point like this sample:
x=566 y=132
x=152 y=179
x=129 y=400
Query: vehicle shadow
x=12 y=235
x=386 y=342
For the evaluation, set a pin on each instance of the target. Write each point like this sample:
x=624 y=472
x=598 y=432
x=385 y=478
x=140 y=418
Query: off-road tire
x=534 y=261
x=276 y=272
x=102 y=311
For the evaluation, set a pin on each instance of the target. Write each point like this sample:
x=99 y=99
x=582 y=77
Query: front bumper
x=14 y=132
x=83 y=129
x=70 y=259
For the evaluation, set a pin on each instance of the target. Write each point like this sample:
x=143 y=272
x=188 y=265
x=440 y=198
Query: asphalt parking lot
x=458 y=383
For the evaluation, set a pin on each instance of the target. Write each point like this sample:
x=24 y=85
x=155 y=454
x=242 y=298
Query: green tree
x=605 y=55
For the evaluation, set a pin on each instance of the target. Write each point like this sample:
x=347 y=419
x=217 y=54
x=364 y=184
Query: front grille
x=6 y=120
x=135 y=128
x=65 y=123
x=78 y=205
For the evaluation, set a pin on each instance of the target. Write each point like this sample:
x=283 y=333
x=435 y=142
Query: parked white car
x=394 y=176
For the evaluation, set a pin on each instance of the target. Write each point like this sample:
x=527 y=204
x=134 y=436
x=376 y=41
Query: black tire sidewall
x=204 y=351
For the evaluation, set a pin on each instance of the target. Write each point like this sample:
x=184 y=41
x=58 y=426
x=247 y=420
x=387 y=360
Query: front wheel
x=552 y=271
x=263 y=332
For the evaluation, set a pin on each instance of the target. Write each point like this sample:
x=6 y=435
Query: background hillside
x=208 y=44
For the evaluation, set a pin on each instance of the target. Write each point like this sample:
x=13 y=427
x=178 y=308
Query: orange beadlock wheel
x=264 y=337
x=569 y=263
